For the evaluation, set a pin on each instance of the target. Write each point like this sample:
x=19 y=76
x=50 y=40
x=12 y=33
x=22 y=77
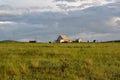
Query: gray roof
x=63 y=37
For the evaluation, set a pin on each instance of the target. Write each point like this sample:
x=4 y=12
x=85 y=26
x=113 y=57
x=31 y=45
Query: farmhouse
x=63 y=39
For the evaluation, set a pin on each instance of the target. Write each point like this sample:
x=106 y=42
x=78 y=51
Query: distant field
x=75 y=61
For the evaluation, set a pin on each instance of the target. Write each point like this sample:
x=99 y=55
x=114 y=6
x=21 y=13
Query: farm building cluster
x=61 y=39
x=65 y=39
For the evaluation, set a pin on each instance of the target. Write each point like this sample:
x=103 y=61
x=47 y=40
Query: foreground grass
x=85 y=61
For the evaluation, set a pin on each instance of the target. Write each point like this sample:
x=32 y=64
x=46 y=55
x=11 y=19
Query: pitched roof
x=64 y=37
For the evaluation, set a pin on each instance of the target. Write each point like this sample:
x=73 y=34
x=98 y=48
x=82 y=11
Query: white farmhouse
x=63 y=39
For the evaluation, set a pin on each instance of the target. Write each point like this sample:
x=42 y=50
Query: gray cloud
x=91 y=23
x=66 y=0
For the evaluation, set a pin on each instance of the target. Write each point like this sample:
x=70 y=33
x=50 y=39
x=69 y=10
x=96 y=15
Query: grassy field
x=38 y=61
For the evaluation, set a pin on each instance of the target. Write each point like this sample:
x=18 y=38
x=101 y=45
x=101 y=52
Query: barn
x=63 y=39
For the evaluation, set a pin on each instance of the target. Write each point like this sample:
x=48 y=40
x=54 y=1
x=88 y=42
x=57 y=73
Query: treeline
x=13 y=41
x=113 y=41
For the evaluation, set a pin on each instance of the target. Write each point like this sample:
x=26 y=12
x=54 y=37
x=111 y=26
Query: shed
x=79 y=40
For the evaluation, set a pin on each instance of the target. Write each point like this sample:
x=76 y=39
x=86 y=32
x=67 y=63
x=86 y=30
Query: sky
x=45 y=20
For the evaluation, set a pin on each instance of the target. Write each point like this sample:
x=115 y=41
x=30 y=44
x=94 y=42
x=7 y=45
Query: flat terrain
x=74 y=61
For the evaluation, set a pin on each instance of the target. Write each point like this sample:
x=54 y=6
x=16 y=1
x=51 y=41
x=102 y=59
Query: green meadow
x=67 y=61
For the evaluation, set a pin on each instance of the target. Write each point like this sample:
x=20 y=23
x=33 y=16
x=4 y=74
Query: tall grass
x=84 y=61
